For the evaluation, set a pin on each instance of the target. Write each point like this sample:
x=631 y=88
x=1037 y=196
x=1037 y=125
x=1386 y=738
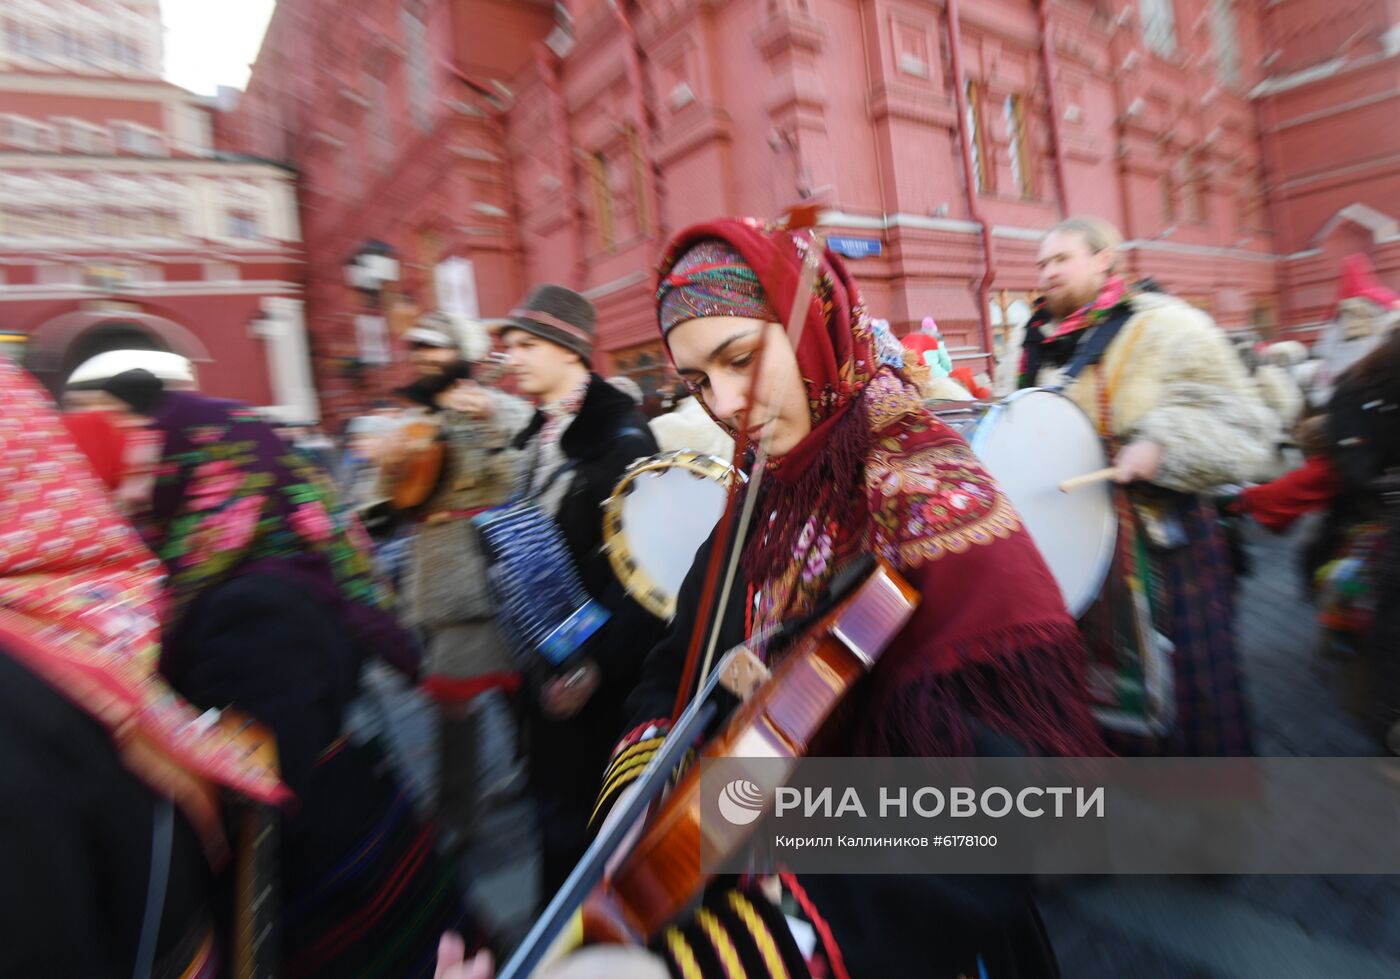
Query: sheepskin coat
x=1172 y=378
x=1279 y=391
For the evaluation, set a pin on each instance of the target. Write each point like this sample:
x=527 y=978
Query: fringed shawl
x=992 y=644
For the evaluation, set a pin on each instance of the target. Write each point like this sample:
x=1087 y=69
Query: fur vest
x=1172 y=378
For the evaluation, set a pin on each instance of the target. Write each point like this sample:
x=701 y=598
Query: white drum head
x=664 y=508
x=1032 y=442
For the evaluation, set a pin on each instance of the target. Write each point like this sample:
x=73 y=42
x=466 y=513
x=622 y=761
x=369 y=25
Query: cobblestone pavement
x=1277 y=927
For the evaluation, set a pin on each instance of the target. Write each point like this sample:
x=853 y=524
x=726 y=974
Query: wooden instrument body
x=662 y=873
x=416 y=475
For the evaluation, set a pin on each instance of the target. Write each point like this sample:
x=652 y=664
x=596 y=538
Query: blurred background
x=279 y=188
x=278 y=191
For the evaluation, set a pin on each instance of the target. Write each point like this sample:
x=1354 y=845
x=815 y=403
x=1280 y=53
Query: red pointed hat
x=1359 y=281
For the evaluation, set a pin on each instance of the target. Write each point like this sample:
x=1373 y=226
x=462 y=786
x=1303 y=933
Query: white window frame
x=1158 y=19
x=146 y=141
x=99 y=137
x=1224 y=30
x=418 y=62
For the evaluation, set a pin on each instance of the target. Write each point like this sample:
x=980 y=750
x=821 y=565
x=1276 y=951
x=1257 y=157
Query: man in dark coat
x=574 y=452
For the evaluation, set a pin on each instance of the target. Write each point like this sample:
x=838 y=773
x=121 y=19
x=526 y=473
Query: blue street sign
x=854 y=247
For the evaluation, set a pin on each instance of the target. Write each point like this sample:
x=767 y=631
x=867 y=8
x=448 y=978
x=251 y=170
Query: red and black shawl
x=992 y=646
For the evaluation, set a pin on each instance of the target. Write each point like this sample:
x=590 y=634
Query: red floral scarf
x=879 y=473
x=79 y=607
x=1059 y=345
x=232 y=498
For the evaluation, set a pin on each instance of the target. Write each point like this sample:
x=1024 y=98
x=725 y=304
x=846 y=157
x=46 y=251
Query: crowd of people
x=192 y=600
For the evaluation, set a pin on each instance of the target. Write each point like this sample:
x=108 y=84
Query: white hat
x=424 y=336
x=170 y=368
x=441 y=328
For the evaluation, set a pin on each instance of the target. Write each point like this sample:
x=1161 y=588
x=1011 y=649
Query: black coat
x=76 y=832
x=266 y=645
x=895 y=925
x=607 y=435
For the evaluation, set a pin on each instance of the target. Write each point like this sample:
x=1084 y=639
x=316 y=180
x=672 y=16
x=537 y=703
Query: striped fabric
x=629 y=759
x=1194 y=608
x=368 y=896
x=735 y=934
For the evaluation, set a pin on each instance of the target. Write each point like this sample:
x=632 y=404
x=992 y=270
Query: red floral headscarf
x=79 y=607
x=232 y=498
x=880 y=474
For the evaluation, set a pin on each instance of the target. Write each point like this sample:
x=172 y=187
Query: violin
x=780 y=715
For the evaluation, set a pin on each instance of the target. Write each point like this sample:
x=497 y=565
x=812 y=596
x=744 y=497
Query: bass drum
x=1032 y=442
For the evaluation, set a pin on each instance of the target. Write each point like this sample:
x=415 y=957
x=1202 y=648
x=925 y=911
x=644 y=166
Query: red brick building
x=527 y=140
x=121 y=226
x=1332 y=147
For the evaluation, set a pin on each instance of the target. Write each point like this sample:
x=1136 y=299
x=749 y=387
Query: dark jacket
x=76 y=833
x=607 y=435
x=1363 y=435
x=267 y=646
x=568 y=757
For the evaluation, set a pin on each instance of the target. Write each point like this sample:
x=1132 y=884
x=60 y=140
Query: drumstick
x=1088 y=479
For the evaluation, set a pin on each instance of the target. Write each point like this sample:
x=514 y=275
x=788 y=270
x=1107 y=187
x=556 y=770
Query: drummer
x=1180 y=416
x=859 y=466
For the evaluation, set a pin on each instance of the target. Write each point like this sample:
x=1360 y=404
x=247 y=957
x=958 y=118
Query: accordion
x=542 y=608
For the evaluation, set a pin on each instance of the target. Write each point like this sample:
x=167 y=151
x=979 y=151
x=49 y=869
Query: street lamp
x=373 y=267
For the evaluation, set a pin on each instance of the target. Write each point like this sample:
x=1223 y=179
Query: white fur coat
x=1173 y=379
x=688 y=426
x=1280 y=393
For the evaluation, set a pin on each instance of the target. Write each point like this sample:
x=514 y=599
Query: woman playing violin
x=991 y=663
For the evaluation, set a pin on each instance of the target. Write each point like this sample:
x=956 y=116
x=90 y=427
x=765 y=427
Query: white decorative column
x=282 y=326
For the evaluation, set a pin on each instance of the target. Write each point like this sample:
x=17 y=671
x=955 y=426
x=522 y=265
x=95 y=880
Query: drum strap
x=1094 y=345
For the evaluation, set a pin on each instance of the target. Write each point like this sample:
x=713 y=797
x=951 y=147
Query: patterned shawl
x=232 y=498
x=880 y=474
x=79 y=607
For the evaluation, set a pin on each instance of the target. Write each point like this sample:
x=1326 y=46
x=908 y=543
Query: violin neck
x=589 y=872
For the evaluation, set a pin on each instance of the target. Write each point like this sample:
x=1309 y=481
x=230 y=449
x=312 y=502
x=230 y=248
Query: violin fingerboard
x=257 y=898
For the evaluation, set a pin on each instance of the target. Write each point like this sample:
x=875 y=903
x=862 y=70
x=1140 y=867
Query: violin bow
x=691 y=715
x=590 y=869
x=804 y=216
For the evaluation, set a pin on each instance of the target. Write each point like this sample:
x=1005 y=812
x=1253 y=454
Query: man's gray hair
x=1097 y=233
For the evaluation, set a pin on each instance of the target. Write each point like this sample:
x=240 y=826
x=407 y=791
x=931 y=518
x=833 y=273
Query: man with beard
x=1179 y=416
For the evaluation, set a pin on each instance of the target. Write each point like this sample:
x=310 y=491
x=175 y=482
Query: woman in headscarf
x=273 y=605
x=112 y=833
x=991 y=662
